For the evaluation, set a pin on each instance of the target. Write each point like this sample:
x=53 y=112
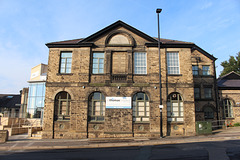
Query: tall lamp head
x=158 y=10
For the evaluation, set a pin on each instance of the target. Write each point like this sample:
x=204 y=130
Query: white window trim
x=134 y=67
x=173 y=66
x=99 y=63
x=65 y=64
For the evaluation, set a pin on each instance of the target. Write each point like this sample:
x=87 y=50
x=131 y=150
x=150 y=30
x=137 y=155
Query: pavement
x=23 y=143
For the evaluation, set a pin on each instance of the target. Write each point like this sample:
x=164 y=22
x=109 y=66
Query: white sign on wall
x=119 y=102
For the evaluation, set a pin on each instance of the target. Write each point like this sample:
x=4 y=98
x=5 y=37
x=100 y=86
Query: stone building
x=107 y=85
x=10 y=105
x=229 y=95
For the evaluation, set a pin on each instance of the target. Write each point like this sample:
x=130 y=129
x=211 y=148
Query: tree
x=233 y=64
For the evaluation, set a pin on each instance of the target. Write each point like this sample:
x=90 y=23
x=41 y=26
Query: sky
x=27 y=25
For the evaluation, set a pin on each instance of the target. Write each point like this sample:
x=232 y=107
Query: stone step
x=37 y=134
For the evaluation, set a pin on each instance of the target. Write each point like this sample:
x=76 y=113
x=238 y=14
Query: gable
x=230 y=80
x=116 y=26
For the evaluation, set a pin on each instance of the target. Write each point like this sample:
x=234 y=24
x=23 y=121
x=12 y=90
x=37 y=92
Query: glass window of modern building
x=36 y=100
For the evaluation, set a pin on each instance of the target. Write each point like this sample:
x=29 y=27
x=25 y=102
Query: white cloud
x=206 y=5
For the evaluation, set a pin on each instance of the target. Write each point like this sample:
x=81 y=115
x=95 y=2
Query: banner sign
x=119 y=102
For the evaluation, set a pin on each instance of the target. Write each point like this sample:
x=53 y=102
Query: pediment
x=119 y=34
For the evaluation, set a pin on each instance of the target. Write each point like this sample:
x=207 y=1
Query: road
x=220 y=150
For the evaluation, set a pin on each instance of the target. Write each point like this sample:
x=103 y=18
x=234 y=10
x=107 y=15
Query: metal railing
x=219 y=124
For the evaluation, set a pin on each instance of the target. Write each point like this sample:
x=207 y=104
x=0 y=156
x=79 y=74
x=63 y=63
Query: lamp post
x=160 y=80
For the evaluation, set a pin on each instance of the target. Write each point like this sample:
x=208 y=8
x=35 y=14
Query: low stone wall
x=31 y=130
x=16 y=130
x=3 y=136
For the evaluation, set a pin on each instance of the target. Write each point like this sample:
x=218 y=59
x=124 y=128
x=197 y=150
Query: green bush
x=236 y=124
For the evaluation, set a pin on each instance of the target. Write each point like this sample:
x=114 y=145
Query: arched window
x=140 y=107
x=174 y=108
x=208 y=112
x=62 y=106
x=227 y=107
x=96 y=107
x=119 y=39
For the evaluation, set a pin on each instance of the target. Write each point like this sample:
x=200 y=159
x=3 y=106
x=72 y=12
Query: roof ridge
x=228 y=75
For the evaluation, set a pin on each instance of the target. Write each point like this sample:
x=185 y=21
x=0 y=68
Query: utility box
x=203 y=127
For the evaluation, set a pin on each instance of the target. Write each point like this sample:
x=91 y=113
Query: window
x=208 y=113
x=62 y=106
x=208 y=93
x=174 y=108
x=98 y=63
x=228 y=109
x=206 y=70
x=36 y=99
x=195 y=70
x=197 y=93
x=140 y=107
x=140 y=63
x=173 y=63
x=96 y=108
x=66 y=62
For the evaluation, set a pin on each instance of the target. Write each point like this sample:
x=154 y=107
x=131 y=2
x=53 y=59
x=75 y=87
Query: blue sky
x=27 y=25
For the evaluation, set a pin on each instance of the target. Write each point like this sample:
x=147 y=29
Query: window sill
x=98 y=74
x=140 y=122
x=203 y=76
x=96 y=122
x=62 y=74
x=174 y=74
x=62 y=120
x=140 y=74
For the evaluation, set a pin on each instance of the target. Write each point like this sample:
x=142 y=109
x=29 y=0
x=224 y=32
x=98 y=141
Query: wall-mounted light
x=155 y=87
x=118 y=87
x=83 y=87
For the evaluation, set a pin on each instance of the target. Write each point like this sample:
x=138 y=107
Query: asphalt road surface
x=221 y=150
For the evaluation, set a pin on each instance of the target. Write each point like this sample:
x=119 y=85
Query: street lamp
x=160 y=80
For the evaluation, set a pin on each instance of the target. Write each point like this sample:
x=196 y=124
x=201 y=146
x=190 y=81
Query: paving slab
x=22 y=142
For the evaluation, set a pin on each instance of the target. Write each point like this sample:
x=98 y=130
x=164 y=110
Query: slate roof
x=153 y=41
x=229 y=81
x=10 y=101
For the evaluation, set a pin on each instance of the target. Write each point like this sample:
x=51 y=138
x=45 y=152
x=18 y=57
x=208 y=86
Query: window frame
x=180 y=108
x=36 y=99
x=199 y=92
x=91 y=103
x=211 y=94
x=195 y=69
x=204 y=71
x=136 y=108
x=169 y=68
x=137 y=66
x=206 y=113
x=58 y=105
x=61 y=65
x=228 y=108
x=98 y=63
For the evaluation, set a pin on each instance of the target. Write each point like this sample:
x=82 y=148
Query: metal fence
x=219 y=124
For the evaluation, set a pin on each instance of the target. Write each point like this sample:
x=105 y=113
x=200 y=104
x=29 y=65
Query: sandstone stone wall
x=202 y=81
x=232 y=95
x=118 y=122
